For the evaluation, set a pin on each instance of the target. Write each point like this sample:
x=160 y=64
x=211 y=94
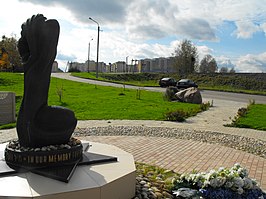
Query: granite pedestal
x=112 y=180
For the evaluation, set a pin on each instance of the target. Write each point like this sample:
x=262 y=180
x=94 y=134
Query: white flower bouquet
x=224 y=183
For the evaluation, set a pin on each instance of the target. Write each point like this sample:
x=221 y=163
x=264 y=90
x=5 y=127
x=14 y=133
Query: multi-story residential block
x=162 y=64
x=83 y=67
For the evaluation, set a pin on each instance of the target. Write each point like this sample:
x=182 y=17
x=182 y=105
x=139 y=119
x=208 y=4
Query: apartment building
x=155 y=65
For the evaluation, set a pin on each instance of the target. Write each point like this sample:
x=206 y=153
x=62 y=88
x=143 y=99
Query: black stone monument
x=45 y=144
x=39 y=124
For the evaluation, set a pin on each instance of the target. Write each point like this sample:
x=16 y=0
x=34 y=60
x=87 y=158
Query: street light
x=89 y=49
x=126 y=70
x=97 y=61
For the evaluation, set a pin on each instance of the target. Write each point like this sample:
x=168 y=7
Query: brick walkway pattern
x=185 y=155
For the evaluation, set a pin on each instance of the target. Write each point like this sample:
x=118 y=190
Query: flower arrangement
x=223 y=183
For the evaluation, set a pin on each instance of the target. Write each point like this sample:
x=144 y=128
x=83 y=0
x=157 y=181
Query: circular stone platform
x=100 y=181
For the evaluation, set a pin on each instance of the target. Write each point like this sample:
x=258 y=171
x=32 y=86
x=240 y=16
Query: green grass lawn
x=98 y=102
x=255 y=118
x=12 y=82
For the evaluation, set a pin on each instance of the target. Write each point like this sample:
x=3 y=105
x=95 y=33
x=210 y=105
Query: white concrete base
x=114 y=180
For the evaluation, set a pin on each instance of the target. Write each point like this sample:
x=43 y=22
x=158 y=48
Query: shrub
x=59 y=92
x=73 y=70
x=170 y=92
x=205 y=106
x=178 y=115
x=241 y=112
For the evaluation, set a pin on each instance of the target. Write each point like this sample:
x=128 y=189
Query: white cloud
x=193 y=19
x=118 y=48
x=263 y=27
x=149 y=19
x=247 y=15
x=252 y=63
x=106 y=11
x=246 y=29
x=158 y=19
x=223 y=61
x=113 y=47
x=14 y=14
x=204 y=50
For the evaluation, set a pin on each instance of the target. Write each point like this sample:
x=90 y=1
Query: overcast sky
x=232 y=31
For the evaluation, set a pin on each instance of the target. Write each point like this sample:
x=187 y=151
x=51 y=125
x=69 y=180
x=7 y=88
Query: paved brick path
x=185 y=155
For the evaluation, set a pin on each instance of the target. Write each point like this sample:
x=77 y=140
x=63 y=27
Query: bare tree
x=208 y=65
x=10 y=45
x=232 y=70
x=186 y=58
x=224 y=70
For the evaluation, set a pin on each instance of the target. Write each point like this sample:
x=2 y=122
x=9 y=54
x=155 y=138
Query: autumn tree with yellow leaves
x=9 y=56
x=4 y=61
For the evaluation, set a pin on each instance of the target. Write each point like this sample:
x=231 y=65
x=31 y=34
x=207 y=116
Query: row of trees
x=9 y=44
x=186 y=61
x=226 y=70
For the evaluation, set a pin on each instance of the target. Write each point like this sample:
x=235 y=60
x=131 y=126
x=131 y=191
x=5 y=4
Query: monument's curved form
x=39 y=124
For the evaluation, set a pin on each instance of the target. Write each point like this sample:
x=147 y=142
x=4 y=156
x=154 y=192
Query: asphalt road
x=206 y=94
x=237 y=97
x=230 y=96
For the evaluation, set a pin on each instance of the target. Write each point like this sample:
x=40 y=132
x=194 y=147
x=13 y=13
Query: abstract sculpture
x=39 y=124
x=44 y=132
x=44 y=144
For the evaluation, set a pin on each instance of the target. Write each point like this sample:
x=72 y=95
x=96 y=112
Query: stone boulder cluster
x=147 y=189
x=189 y=95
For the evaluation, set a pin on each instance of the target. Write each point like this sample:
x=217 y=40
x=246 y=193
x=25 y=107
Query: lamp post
x=126 y=70
x=97 y=61
x=89 y=49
